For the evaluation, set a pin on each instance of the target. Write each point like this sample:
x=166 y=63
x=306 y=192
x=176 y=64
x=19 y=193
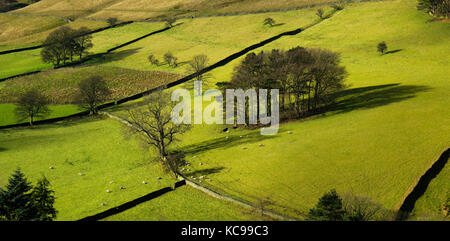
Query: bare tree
x=170 y=59
x=170 y=22
x=262 y=205
x=112 y=21
x=320 y=13
x=92 y=92
x=196 y=65
x=153 y=125
x=269 y=21
x=361 y=208
x=153 y=60
x=30 y=105
x=83 y=41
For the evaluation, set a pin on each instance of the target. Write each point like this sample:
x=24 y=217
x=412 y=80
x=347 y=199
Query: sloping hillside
x=143 y=9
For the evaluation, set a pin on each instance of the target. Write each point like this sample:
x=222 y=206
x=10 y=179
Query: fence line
x=235 y=201
x=417 y=191
x=43 y=45
x=89 y=57
x=133 y=203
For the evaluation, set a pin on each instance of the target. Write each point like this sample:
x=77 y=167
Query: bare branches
x=152 y=123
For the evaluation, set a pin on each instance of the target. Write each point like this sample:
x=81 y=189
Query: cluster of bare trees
x=92 y=92
x=65 y=43
x=169 y=59
x=307 y=79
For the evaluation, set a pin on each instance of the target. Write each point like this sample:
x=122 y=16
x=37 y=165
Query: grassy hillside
x=394 y=118
x=217 y=37
x=429 y=206
x=381 y=136
x=24 y=31
x=30 y=60
x=186 y=204
x=21 y=62
x=60 y=86
x=91 y=156
x=95 y=148
x=8 y=117
x=144 y=9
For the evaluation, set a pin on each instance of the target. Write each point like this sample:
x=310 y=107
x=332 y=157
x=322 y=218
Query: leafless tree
x=153 y=125
x=361 y=208
x=30 y=105
x=92 y=92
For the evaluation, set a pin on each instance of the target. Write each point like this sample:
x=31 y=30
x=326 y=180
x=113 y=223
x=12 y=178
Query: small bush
x=112 y=21
x=320 y=13
x=382 y=47
x=153 y=60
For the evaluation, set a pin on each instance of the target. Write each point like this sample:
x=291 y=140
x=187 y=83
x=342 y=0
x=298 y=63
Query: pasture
x=357 y=147
x=140 y=10
x=382 y=134
x=197 y=36
x=95 y=148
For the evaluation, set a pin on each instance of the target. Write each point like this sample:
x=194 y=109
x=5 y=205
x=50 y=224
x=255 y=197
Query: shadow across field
x=393 y=51
x=374 y=96
x=204 y=172
x=112 y=56
x=224 y=142
x=133 y=203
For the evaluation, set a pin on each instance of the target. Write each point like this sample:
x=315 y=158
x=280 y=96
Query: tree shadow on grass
x=223 y=142
x=278 y=24
x=2 y=149
x=393 y=51
x=103 y=58
x=375 y=96
x=204 y=172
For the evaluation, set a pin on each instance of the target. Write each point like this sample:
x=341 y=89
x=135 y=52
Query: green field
x=30 y=60
x=21 y=62
x=113 y=37
x=383 y=133
x=351 y=148
x=95 y=148
x=7 y=116
x=201 y=36
x=187 y=204
x=429 y=206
